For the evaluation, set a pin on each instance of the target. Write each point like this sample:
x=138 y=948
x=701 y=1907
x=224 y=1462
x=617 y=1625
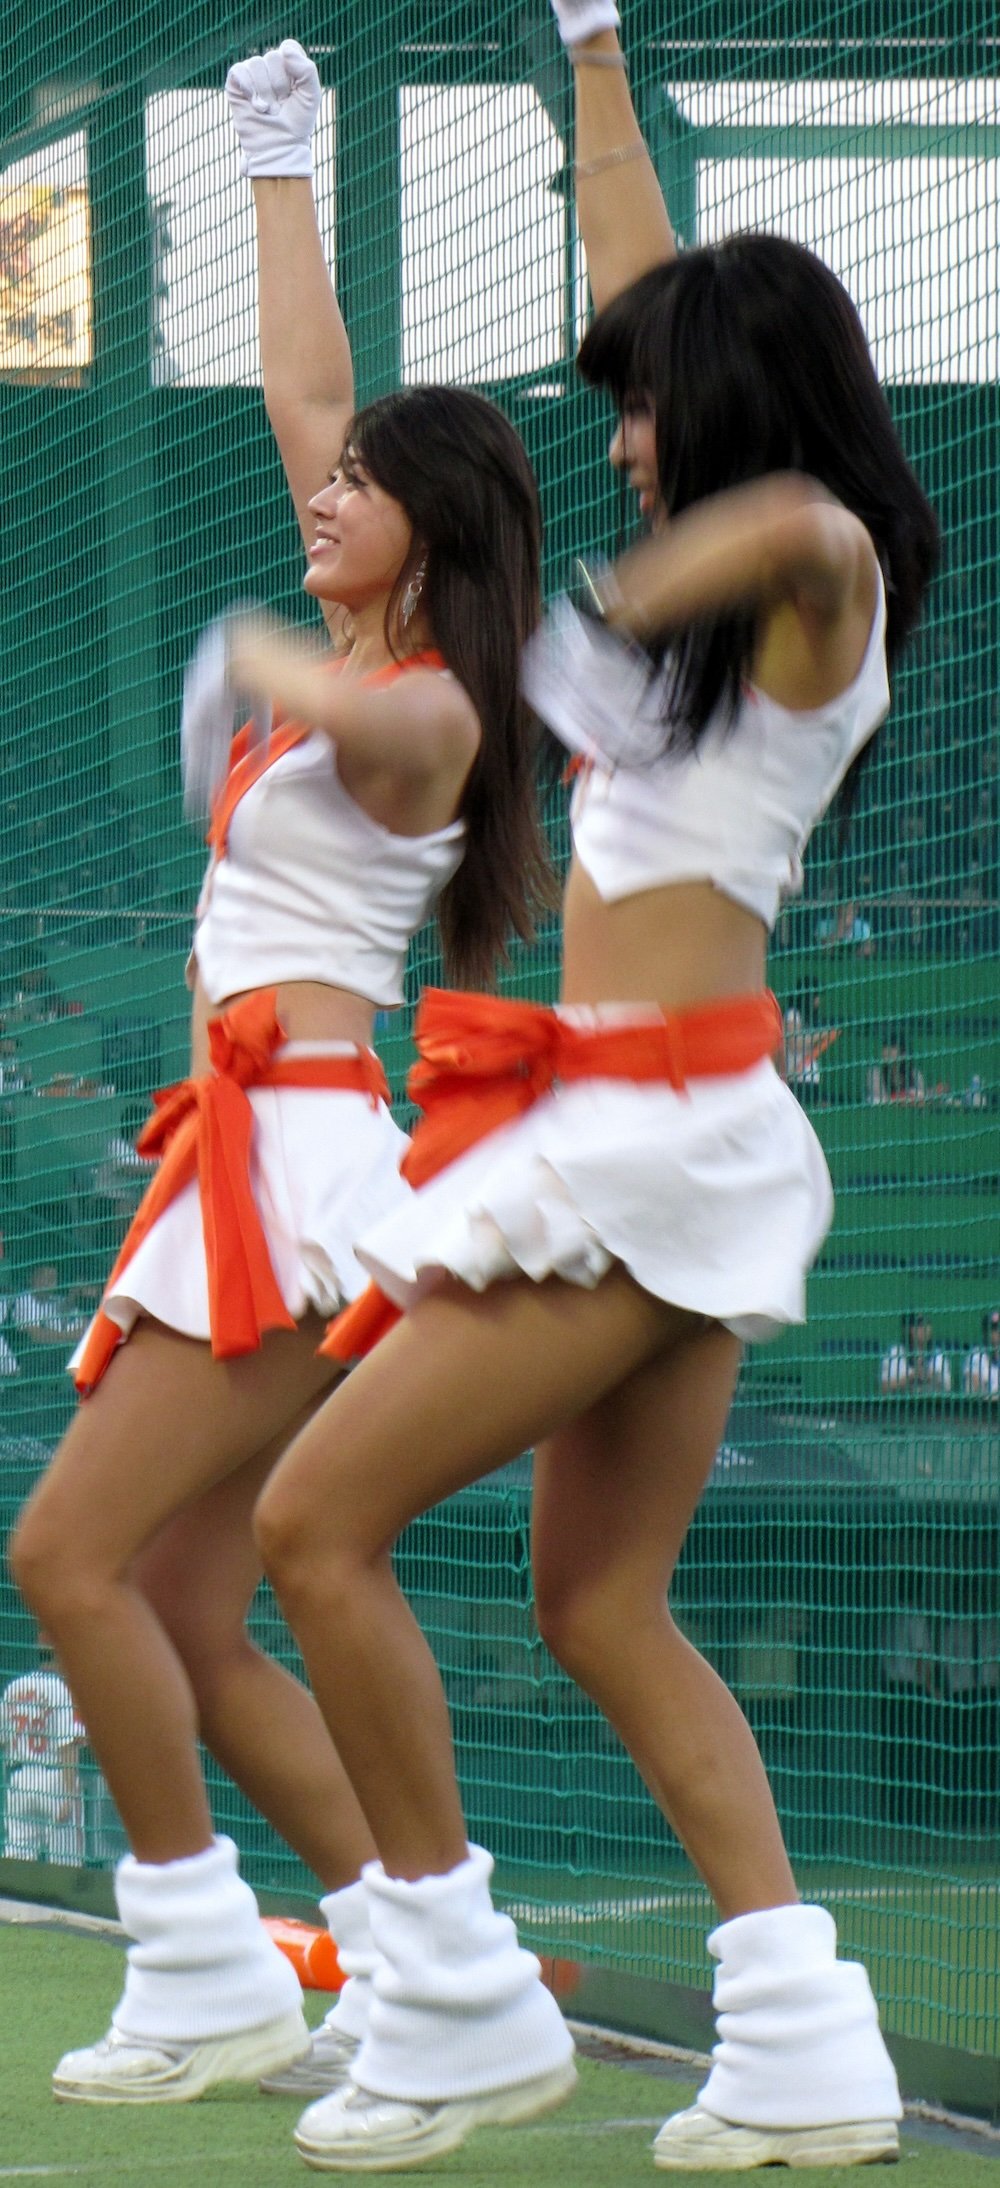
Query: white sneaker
x=325 y=2066
x=132 y=2070
x=356 y=2132
x=696 y=2141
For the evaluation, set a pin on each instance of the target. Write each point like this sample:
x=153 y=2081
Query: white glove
x=274 y=100
x=580 y=19
x=209 y=712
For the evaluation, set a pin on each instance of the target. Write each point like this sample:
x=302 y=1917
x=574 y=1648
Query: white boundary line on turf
x=124 y=2168
x=689 y=1899
x=639 y=2047
x=542 y=1915
x=56 y=1918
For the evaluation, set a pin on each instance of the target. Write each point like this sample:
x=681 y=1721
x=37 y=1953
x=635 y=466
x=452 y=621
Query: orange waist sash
x=484 y=1060
x=203 y=1128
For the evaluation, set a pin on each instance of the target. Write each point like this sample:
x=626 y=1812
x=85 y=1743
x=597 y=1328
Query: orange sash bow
x=203 y=1128
x=484 y=1060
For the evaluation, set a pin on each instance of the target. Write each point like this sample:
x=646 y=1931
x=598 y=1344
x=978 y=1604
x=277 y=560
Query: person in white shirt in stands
x=9 y=1368
x=43 y=1314
x=41 y=1737
x=981 y=1369
x=122 y=1174
x=915 y=1364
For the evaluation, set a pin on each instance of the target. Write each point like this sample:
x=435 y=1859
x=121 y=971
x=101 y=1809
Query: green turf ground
x=56 y=1991
x=929 y=1943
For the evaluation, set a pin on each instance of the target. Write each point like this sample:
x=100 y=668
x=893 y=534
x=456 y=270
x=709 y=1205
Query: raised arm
x=781 y=546
x=623 y=218
x=776 y=538
x=308 y=379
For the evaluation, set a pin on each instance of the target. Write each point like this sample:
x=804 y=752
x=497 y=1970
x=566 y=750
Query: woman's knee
x=306 y=1561
x=590 y=1628
x=567 y=1620
x=47 y=1561
x=291 y=1548
x=280 y=1527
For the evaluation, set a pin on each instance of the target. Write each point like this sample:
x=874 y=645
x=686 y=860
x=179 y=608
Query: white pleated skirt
x=715 y=1198
x=324 y=1167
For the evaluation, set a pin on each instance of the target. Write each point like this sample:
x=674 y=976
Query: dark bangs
x=615 y=353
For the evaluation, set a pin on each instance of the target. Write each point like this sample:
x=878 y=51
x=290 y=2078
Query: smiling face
x=363 y=539
x=633 y=450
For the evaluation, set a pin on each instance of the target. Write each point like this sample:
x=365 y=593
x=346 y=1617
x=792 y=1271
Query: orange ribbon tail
x=203 y=1128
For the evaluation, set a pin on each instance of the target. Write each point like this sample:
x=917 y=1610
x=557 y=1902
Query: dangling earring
x=413 y=591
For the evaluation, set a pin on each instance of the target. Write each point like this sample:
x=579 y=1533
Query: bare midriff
x=677 y=946
x=309 y=1010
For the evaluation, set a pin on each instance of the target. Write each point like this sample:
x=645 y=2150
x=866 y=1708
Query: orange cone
x=312 y=1952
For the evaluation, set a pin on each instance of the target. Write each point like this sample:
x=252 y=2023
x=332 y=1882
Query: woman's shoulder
x=815 y=646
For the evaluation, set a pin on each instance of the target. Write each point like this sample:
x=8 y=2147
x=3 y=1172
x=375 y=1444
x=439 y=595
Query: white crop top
x=739 y=810
x=306 y=886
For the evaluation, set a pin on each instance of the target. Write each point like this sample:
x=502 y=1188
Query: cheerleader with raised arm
x=398 y=778
x=615 y=1195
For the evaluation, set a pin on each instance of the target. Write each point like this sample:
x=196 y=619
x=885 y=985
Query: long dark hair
x=459 y=470
x=753 y=359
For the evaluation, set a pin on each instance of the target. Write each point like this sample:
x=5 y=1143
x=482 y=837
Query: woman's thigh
x=464 y=1383
x=166 y=1423
x=615 y=1490
x=201 y=1571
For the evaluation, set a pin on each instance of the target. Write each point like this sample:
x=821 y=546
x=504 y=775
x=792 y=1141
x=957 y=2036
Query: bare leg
x=614 y=1497
x=463 y=1384
x=261 y=1724
x=166 y=1423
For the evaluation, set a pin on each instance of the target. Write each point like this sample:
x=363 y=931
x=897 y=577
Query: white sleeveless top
x=739 y=810
x=308 y=887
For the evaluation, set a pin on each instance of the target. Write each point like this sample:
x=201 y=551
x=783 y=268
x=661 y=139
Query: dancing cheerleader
x=398 y=778
x=616 y=1195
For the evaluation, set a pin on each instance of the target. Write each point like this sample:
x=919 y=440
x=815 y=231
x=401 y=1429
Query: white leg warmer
x=202 y=1964
x=348 y=1921
x=459 y=2009
x=799 y=2042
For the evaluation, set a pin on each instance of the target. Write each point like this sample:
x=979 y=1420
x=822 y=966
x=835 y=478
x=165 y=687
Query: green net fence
x=844 y=1572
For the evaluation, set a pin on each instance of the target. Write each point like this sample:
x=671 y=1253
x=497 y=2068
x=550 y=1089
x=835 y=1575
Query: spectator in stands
x=35 y=1001
x=981 y=1369
x=121 y=1176
x=13 y=1075
x=8 y=1356
x=915 y=1366
x=804 y=1045
x=847 y=924
x=895 y=1078
x=9 y=1368
x=43 y=1314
